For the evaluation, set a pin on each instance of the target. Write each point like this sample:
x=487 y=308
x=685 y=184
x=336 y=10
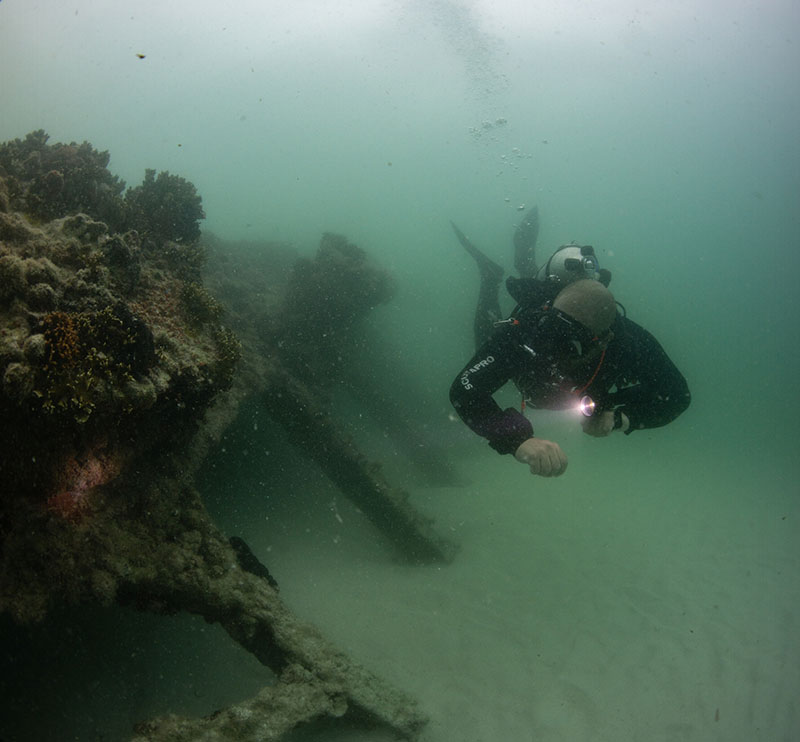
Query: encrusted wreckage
x=116 y=376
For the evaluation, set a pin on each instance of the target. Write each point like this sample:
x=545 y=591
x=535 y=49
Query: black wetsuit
x=635 y=376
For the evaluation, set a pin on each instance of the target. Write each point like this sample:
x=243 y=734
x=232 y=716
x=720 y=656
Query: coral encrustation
x=76 y=480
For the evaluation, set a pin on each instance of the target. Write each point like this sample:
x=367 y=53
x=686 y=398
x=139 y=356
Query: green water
x=652 y=586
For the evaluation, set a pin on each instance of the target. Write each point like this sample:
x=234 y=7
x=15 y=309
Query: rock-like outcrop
x=116 y=372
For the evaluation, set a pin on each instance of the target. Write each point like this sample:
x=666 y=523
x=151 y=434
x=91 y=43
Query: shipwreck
x=120 y=369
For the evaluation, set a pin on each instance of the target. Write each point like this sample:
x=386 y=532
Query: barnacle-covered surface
x=112 y=355
x=110 y=346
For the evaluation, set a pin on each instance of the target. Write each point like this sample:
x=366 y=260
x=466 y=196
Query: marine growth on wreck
x=116 y=369
x=105 y=327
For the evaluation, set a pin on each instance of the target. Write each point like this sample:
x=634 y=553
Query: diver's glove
x=544 y=458
x=604 y=423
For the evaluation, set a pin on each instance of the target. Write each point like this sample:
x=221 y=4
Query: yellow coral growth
x=61 y=334
x=81 y=360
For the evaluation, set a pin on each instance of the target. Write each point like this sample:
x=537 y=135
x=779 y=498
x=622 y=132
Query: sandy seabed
x=648 y=594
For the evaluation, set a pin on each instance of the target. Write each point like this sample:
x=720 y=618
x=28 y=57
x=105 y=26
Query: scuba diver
x=565 y=346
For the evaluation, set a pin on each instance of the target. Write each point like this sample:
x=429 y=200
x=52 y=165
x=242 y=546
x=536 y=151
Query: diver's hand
x=545 y=458
x=599 y=426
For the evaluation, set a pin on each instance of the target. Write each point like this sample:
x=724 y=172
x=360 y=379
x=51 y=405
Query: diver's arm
x=490 y=368
x=661 y=393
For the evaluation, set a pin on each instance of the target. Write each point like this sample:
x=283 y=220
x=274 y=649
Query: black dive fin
x=489 y=269
x=525 y=237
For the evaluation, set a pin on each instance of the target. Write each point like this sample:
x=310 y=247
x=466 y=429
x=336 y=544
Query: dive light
x=587 y=406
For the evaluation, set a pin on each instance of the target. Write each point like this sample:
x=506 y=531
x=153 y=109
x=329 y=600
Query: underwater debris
x=91 y=338
x=111 y=355
x=326 y=299
x=313 y=431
